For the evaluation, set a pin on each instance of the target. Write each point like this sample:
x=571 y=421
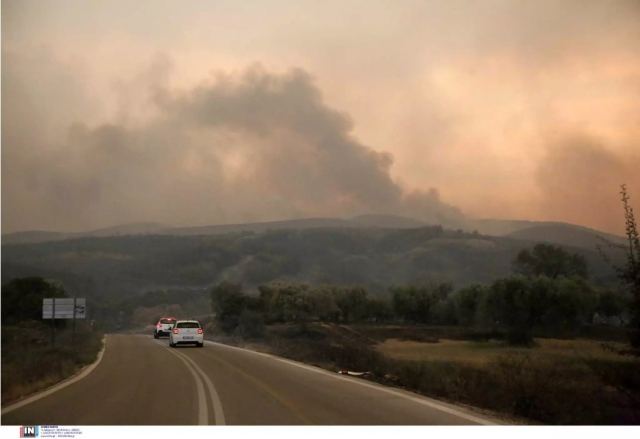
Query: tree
x=285 y=302
x=518 y=304
x=418 y=303
x=228 y=302
x=379 y=310
x=324 y=304
x=551 y=261
x=352 y=303
x=629 y=274
x=250 y=324
x=466 y=302
x=611 y=304
x=22 y=298
x=569 y=304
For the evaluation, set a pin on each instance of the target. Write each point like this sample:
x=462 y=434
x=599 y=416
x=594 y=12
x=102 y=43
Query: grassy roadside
x=30 y=363
x=556 y=382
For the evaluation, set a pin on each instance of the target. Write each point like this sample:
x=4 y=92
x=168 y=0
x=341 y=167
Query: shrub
x=511 y=305
x=250 y=324
x=419 y=303
x=22 y=298
x=228 y=302
x=551 y=261
x=466 y=303
x=28 y=367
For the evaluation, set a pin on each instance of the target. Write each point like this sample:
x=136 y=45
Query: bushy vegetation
x=29 y=361
x=138 y=310
x=22 y=298
x=344 y=326
x=313 y=281
x=114 y=268
x=524 y=385
x=551 y=261
x=573 y=383
x=514 y=307
x=629 y=272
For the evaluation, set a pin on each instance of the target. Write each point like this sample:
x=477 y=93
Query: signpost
x=58 y=308
x=63 y=308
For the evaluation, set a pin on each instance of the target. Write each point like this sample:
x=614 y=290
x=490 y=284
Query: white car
x=163 y=327
x=186 y=332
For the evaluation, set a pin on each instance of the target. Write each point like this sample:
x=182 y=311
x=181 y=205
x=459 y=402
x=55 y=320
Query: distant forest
x=373 y=258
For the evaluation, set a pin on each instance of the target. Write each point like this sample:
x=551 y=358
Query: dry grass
x=556 y=382
x=30 y=364
x=485 y=352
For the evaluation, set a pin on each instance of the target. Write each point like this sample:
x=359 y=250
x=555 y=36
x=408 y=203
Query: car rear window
x=167 y=321
x=188 y=325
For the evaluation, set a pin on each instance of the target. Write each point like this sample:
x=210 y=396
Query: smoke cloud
x=116 y=112
x=582 y=173
x=248 y=146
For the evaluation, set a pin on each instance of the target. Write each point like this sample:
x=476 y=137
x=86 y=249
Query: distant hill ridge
x=553 y=232
x=384 y=221
x=566 y=234
x=35 y=236
x=318 y=252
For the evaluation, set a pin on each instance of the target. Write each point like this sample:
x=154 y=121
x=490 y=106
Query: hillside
x=376 y=221
x=550 y=232
x=553 y=232
x=566 y=234
x=35 y=236
x=373 y=257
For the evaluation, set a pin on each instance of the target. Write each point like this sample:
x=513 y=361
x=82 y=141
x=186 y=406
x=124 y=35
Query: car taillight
x=175 y=331
x=199 y=330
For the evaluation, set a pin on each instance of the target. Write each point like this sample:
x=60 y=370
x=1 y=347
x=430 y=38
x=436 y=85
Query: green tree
x=22 y=298
x=551 y=261
x=517 y=305
x=284 y=302
x=324 y=304
x=379 y=310
x=418 y=303
x=352 y=303
x=466 y=302
x=250 y=324
x=611 y=304
x=570 y=302
x=228 y=301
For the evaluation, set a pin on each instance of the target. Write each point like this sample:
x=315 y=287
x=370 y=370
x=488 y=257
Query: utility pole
x=73 y=331
x=53 y=322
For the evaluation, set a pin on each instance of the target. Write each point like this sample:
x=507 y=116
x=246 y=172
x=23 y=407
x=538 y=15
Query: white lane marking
x=420 y=400
x=218 y=412
x=215 y=398
x=73 y=379
x=203 y=411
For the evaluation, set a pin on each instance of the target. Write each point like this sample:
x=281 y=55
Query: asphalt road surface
x=141 y=381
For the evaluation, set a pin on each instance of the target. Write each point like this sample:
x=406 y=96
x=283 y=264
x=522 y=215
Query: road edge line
x=424 y=400
x=82 y=373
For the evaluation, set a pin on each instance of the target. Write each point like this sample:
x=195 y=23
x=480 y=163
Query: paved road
x=141 y=381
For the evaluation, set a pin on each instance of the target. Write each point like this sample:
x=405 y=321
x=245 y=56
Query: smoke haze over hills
x=215 y=113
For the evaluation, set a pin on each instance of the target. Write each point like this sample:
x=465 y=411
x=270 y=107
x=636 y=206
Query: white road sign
x=64 y=308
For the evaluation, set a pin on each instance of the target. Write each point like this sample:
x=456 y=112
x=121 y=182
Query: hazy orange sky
x=203 y=112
